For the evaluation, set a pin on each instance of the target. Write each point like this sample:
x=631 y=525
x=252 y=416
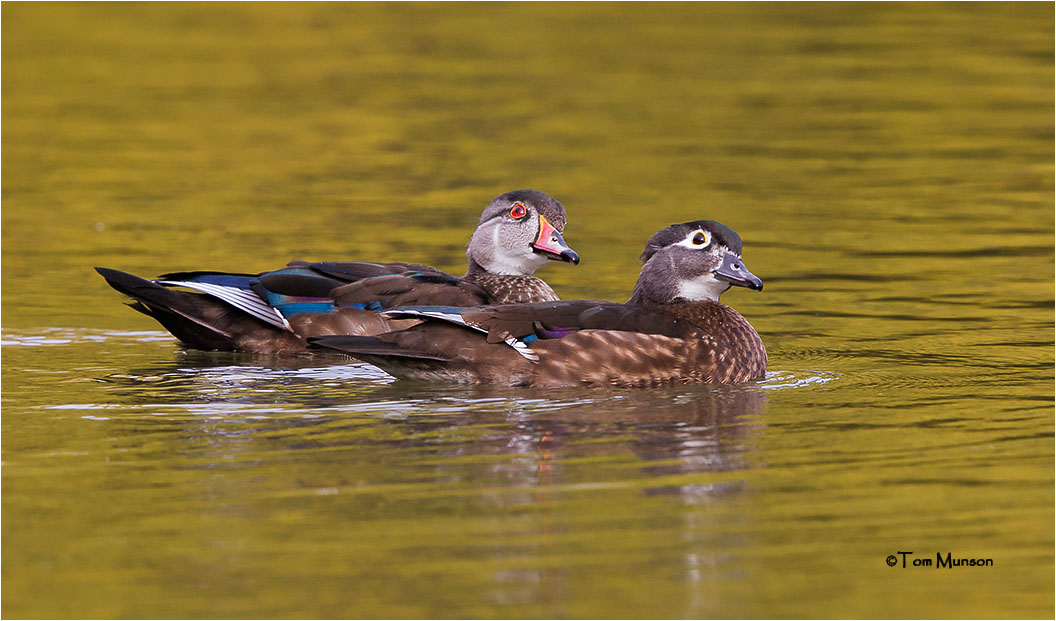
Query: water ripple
x=70 y=336
x=778 y=380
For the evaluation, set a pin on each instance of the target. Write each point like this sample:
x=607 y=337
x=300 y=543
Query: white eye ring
x=696 y=240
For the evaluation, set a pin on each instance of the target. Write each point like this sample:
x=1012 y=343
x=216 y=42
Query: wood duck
x=274 y=312
x=673 y=330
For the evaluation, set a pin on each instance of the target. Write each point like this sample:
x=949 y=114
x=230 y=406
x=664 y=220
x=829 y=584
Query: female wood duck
x=274 y=312
x=673 y=330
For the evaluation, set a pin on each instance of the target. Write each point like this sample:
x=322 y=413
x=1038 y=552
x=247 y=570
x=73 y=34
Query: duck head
x=518 y=233
x=692 y=262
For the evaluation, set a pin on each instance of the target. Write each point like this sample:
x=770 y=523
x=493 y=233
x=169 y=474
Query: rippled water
x=890 y=168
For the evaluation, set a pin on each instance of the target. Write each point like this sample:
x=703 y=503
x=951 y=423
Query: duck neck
x=474 y=273
x=505 y=289
x=699 y=312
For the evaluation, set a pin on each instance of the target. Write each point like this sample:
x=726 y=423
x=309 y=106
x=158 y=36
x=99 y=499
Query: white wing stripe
x=522 y=349
x=456 y=318
x=243 y=300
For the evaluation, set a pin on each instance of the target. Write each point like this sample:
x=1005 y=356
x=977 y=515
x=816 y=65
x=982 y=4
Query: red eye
x=518 y=211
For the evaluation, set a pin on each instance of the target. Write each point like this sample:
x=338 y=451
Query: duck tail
x=197 y=320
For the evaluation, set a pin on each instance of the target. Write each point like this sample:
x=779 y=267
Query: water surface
x=889 y=167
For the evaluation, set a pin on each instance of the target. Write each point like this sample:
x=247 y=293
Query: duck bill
x=734 y=272
x=552 y=243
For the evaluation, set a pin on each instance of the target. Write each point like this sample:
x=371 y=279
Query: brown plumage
x=274 y=312
x=672 y=331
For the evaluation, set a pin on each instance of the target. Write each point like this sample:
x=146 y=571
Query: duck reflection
x=532 y=481
x=542 y=434
x=661 y=433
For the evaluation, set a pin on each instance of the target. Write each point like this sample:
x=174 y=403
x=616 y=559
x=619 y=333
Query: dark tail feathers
x=195 y=319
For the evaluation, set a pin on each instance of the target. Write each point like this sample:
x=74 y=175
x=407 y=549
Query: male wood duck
x=274 y=312
x=673 y=330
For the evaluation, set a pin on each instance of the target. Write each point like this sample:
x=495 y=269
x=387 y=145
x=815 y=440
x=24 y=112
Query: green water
x=889 y=167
